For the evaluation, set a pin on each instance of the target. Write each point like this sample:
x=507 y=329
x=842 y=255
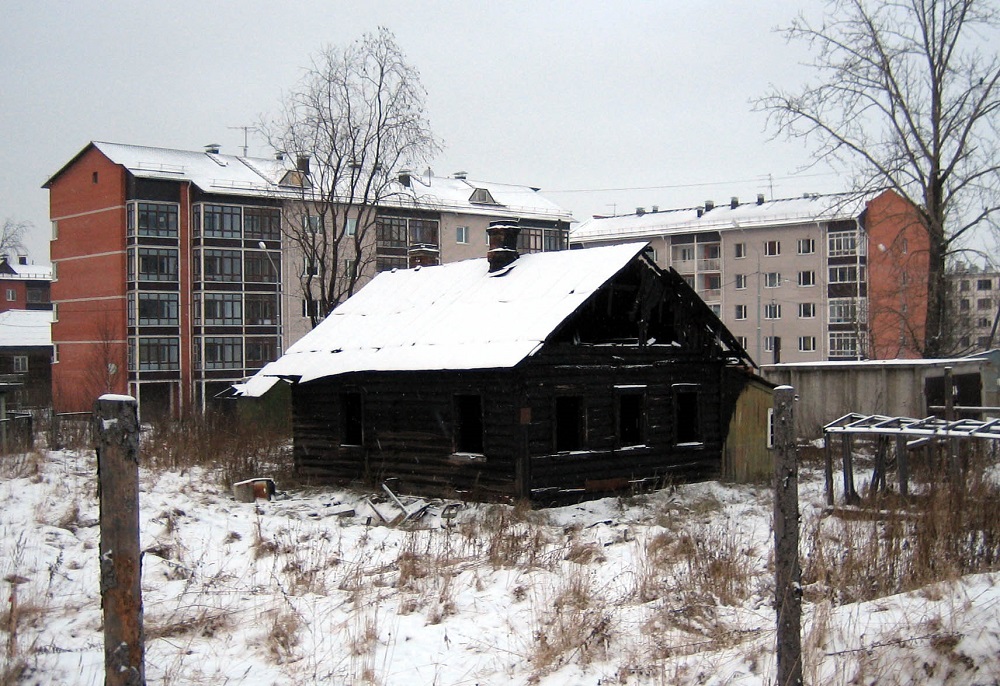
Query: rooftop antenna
x=614 y=208
x=246 y=132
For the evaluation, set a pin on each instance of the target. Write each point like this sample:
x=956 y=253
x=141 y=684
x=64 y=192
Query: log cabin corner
x=550 y=377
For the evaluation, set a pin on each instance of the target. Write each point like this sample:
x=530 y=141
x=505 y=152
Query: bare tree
x=906 y=95
x=354 y=121
x=12 y=236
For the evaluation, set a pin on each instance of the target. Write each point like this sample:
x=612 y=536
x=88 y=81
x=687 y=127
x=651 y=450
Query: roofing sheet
x=25 y=328
x=453 y=316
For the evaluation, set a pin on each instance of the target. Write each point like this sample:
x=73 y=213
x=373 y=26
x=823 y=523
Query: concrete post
x=787 y=573
x=116 y=435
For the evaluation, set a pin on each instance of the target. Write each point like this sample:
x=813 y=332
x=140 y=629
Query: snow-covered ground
x=673 y=587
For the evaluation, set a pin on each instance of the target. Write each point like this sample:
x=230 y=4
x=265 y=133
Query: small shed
x=557 y=376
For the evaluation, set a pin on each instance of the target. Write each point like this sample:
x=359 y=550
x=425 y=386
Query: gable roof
x=780 y=212
x=25 y=328
x=451 y=317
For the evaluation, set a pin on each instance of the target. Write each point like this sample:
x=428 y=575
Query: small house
x=550 y=377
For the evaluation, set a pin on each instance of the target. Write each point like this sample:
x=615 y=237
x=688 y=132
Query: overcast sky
x=639 y=103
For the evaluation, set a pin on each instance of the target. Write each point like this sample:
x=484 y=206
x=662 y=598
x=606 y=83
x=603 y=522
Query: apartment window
x=34 y=295
x=769 y=343
x=772 y=279
x=846 y=311
x=157 y=264
x=349 y=267
x=461 y=234
x=741 y=312
x=385 y=263
x=262 y=223
x=313 y=223
x=261 y=309
x=260 y=267
x=742 y=340
x=682 y=253
x=157 y=309
x=963 y=305
x=847 y=273
x=807 y=278
x=843 y=344
x=352 y=226
x=984 y=285
x=223 y=309
x=11 y=295
x=807 y=344
x=772 y=248
x=807 y=310
x=154 y=219
x=569 y=425
x=423 y=232
x=20 y=364
x=963 y=286
x=260 y=351
x=983 y=322
x=741 y=282
x=981 y=303
x=223 y=352
x=686 y=416
x=222 y=265
x=712 y=282
x=740 y=250
x=983 y=341
x=310 y=268
x=468 y=424
x=351 y=419
x=390 y=232
x=159 y=354
x=772 y=311
x=842 y=243
x=716 y=309
x=806 y=246
x=631 y=418
x=222 y=221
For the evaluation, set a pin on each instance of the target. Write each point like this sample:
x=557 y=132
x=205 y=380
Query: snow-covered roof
x=456 y=194
x=782 y=212
x=452 y=316
x=25 y=328
x=31 y=272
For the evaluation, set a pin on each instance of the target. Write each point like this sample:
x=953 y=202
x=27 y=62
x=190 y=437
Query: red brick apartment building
x=170 y=281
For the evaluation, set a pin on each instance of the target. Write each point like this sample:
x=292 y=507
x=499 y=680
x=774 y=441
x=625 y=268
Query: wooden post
x=903 y=466
x=828 y=468
x=787 y=573
x=116 y=434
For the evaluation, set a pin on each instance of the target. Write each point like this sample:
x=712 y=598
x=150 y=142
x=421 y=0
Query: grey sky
x=560 y=95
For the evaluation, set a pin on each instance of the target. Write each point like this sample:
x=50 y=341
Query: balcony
x=710 y=265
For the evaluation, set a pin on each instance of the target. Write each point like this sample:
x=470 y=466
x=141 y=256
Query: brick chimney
x=502 y=250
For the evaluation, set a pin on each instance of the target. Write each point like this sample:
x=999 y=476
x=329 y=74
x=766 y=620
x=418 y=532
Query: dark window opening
x=686 y=415
x=352 y=427
x=468 y=424
x=569 y=423
x=631 y=423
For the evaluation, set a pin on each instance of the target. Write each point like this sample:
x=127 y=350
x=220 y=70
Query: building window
x=963 y=305
x=963 y=286
x=260 y=351
x=223 y=352
x=223 y=309
x=807 y=344
x=716 y=309
x=423 y=232
x=349 y=269
x=260 y=267
x=847 y=273
x=772 y=311
x=569 y=424
x=981 y=303
x=806 y=246
x=262 y=223
x=261 y=309
x=157 y=309
x=222 y=221
x=740 y=250
x=772 y=279
x=772 y=248
x=351 y=419
x=984 y=285
x=20 y=364
x=846 y=311
x=159 y=354
x=221 y=265
x=461 y=234
x=352 y=226
x=843 y=344
x=631 y=418
x=741 y=312
x=983 y=322
x=153 y=219
x=686 y=415
x=769 y=343
x=390 y=232
x=310 y=268
x=807 y=278
x=468 y=424
x=742 y=340
x=385 y=263
x=807 y=310
x=842 y=243
x=310 y=308
x=11 y=295
x=682 y=253
x=157 y=264
x=741 y=282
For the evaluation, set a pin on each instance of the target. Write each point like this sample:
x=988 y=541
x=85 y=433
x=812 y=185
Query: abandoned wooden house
x=549 y=377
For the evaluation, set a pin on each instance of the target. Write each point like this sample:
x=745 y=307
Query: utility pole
x=787 y=572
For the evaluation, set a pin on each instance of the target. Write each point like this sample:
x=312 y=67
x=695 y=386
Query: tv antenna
x=246 y=134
